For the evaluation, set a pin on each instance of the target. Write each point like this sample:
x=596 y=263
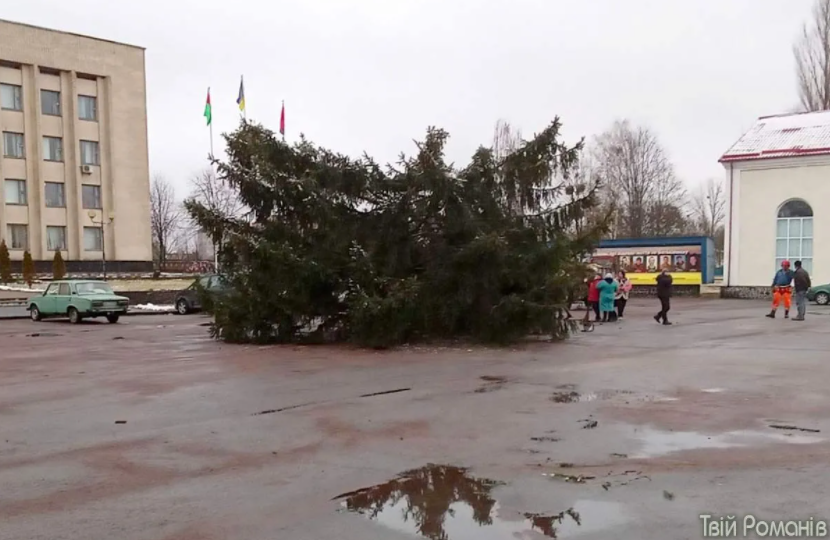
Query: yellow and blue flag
x=241 y=99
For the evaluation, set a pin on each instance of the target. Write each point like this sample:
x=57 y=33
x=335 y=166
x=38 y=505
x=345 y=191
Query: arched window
x=794 y=234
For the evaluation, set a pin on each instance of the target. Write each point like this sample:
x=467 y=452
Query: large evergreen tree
x=341 y=248
x=58 y=266
x=28 y=268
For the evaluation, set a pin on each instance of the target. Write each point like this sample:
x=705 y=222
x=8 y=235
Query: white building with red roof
x=777 y=174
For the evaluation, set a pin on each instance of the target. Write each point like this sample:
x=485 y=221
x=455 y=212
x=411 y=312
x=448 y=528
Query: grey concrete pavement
x=148 y=430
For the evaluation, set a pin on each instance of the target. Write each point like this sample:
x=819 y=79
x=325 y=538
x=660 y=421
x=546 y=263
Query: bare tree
x=641 y=181
x=581 y=180
x=709 y=207
x=218 y=198
x=506 y=140
x=165 y=218
x=812 y=59
x=667 y=215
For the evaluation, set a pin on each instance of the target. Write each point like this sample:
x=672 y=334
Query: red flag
x=282 y=120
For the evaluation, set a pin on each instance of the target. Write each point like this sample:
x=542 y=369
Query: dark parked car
x=820 y=294
x=189 y=300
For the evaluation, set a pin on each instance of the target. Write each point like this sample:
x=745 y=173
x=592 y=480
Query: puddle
x=491 y=383
x=571 y=396
x=713 y=390
x=440 y=502
x=657 y=443
x=565 y=397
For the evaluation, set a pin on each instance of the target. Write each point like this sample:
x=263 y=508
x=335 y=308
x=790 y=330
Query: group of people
x=607 y=296
x=783 y=283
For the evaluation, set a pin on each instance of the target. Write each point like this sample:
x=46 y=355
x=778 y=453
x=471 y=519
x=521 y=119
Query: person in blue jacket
x=782 y=290
x=607 y=291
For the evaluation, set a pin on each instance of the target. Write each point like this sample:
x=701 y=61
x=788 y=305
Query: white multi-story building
x=74 y=161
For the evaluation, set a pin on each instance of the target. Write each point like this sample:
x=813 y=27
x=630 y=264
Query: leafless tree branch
x=217 y=197
x=812 y=59
x=165 y=218
x=640 y=180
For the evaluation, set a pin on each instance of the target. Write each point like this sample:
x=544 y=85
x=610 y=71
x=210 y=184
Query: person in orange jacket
x=782 y=290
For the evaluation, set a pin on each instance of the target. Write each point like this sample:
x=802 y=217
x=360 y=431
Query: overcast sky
x=373 y=74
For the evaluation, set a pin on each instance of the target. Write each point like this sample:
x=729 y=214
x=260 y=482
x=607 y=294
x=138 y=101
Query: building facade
x=74 y=161
x=777 y=182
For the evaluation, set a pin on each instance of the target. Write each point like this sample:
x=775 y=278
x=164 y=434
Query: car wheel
x=34 y=312
x=181 y=307
x=74 y=315
x=113 y=318
x=823 y=298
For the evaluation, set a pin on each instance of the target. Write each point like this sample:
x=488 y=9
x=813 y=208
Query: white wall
x=759 y=188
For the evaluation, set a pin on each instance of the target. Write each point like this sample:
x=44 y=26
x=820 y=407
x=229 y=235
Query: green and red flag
x=208 y=109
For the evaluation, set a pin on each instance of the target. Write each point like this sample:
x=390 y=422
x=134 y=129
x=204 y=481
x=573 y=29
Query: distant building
x=777 y=176
x=73 y=117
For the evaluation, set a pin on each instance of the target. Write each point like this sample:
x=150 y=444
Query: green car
x=819 y=294
x=77 y=300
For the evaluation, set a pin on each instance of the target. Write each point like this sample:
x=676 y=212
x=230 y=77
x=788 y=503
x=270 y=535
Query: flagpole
x=210 y=125
x=282 y=120
x=213 y=171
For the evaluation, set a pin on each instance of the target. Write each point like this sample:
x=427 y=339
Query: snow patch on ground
x=23 y=288
x=153 y=307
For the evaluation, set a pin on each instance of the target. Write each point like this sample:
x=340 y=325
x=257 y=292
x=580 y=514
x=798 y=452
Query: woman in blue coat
x=607 y=291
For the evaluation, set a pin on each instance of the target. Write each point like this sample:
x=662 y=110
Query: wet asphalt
x=149 y=430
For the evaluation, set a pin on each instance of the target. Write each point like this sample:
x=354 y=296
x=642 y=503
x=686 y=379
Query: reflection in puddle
x=659 y=443
x=441 y=502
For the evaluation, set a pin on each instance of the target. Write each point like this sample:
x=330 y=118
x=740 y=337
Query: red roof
x=788 y=135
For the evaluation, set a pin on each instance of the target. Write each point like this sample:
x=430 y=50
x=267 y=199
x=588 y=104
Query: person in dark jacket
x=664 y=285
x=801 y=284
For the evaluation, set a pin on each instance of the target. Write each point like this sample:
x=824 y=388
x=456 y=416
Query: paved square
x=148 y=430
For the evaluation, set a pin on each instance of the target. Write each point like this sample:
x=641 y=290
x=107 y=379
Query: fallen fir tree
x=334 y=248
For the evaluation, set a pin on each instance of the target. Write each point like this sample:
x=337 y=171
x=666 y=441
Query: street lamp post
x=102 y=223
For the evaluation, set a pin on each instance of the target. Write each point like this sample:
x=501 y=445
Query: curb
x=128 y=314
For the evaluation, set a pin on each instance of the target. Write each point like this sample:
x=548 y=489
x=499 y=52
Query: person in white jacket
x=621 y=298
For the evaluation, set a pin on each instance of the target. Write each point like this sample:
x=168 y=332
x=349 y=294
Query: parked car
x=819 y=294
x=189 y=301
x=78 y=299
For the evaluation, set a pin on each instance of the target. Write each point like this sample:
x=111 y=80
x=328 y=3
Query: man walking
x=781 y=290
x=664 y=285
x=801 y=283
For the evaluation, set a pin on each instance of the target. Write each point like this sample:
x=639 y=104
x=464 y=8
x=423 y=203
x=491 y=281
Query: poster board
x=642 y=265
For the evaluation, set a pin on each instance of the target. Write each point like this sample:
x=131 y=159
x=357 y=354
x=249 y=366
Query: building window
x=89 y=153
x=56 y=238
x=53 y=193
x=93 y=239
x=53 y=149
x=15 y=192
x=13 y=145
x=88 y=108
x=11 y=97
x=91 y=197
x=50 y=102
x=794 y=234
x=18 y=236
